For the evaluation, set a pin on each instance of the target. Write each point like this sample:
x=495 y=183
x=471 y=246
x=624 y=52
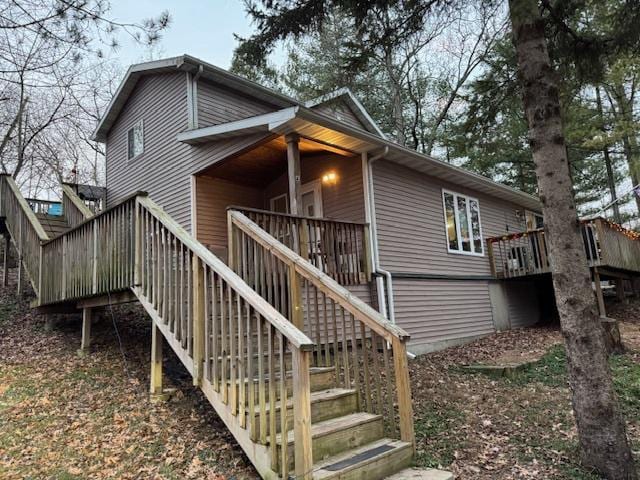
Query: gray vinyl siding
x=441 y=311
x=340 y=110
x=412 y=239
x=411 y=226
x=164 y=169
x=217 y=105
x=213 y=197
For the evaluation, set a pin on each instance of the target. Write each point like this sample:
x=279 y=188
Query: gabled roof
x=184 y=63
x=345 y=95
x=291 y=116
x=327 y=130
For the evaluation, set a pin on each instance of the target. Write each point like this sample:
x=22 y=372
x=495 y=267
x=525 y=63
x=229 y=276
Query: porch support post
x=85 y=343
x=5 y=262
x=155 y=387
x=293 y=168
x=599 y=296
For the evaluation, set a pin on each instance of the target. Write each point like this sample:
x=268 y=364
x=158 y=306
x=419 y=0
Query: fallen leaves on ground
x=481 y=427
x=67 y=417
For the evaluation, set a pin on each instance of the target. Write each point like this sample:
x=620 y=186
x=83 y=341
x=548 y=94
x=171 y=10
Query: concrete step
x=325 y=405
x=335 y=436
x=372 y=461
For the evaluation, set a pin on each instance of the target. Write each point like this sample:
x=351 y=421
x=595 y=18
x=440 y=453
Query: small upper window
x=462 y=217
x=135 y=140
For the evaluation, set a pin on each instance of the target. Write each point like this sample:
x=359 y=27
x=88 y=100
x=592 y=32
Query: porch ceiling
x=266 y=162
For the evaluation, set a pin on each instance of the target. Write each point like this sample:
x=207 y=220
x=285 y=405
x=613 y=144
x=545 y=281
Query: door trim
x=314 y=186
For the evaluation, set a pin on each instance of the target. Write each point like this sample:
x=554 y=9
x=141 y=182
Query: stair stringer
x=259 y=455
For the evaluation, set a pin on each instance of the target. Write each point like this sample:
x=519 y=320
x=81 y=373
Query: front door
x=311 y=199
x=311 y=193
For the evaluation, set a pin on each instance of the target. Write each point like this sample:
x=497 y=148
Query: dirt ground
x=68 y=417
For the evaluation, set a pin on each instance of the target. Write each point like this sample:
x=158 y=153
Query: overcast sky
x=202 y=28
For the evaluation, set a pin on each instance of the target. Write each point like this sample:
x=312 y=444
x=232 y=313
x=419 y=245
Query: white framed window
x=135 y=140
x=462 y=223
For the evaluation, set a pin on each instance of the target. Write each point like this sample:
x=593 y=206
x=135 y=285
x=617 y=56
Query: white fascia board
x=238 y=127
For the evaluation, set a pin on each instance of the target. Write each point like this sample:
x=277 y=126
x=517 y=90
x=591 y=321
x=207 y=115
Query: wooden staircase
x=53 y=225
x=312 y=382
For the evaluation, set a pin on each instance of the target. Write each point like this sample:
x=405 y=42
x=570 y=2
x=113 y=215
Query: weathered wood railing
x=41 y=206
x=24 y=228
x=368 y=352
x=223 y=331
x=95 y=257
x=526 y=253
x=227 y=332
x=338 y=248
x=75 y=210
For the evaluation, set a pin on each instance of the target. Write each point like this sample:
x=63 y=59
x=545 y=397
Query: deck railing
x=368 y=352
x=75 y=210
x=223 y=331
x=25 y=230
x=95 y=257
x=42 y=206
x=526 y=253
x=228 y=331
x=338 y=248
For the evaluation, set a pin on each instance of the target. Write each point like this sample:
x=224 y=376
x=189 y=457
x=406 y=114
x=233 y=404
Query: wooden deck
x=607 y=246
x=261 y=337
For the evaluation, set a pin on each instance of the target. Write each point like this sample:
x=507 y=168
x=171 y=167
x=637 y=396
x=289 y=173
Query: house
x=292 y=257
x=210 y=140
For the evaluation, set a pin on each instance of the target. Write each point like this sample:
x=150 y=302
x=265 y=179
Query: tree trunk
x=601 y=429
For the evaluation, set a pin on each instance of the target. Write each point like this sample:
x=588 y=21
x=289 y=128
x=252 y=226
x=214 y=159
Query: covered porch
x=307 y=194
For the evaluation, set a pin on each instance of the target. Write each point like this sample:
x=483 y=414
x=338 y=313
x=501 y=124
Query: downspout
x=371 y=219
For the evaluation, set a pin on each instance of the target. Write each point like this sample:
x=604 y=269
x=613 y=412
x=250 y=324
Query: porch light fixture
x=330 y=178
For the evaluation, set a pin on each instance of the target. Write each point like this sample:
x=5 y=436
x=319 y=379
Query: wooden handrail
x=74 y=208
x=339 y=248
x=103 y=213
x=525 y=253
x=31 y=216
x=350 y=336
x=293 y=335
x=25 y=231
x=290 y=215
x=372 y=318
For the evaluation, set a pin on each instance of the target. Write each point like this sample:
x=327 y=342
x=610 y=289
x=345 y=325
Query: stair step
x=373 y=461
x=336 y=435
x=325 y=405
x=322 y=378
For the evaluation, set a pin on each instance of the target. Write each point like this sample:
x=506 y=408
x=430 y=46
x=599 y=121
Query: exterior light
x=330 y=178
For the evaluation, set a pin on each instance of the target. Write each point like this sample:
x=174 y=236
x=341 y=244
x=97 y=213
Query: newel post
x=367 y=250
x=198 y=319
x=94 y=258
x=295 y=295
x=302 y=413
x=403 y=389
x=137 y=272
x=492 y=258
